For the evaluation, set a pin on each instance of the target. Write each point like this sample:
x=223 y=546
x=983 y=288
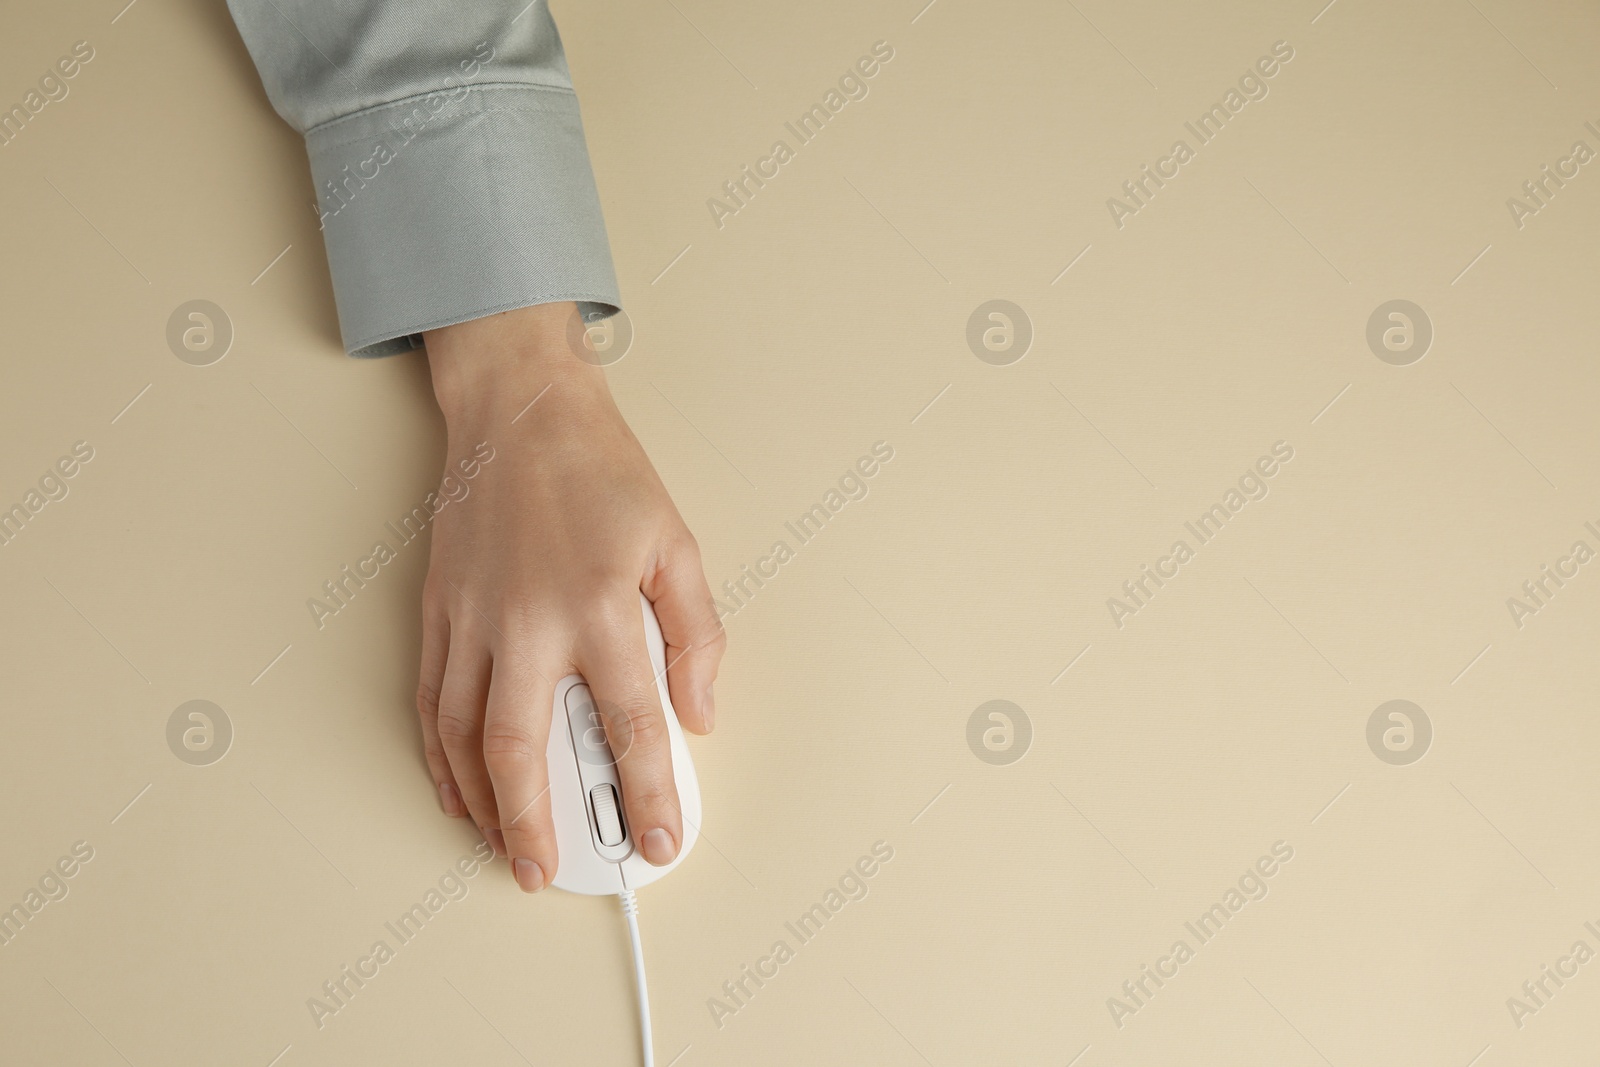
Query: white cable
x=630 y=909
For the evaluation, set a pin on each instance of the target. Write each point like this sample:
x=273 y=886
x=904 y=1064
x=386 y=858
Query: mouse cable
x=630 y=908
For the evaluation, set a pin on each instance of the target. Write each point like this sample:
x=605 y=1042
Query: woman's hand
x=536 y=574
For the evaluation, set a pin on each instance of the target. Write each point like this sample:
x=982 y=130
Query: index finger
x=614 y=660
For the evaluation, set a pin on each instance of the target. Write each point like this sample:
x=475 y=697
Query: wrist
x=497 y=364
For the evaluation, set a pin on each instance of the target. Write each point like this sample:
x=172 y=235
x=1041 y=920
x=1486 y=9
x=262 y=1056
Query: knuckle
x=533 y=832
x=523 y=619
x=650 y=798
x=714 y=638
x=455 y=727
x=644 y=728
x=509 y=743
x=611 y=614
x=427 y=701
x=686 y=546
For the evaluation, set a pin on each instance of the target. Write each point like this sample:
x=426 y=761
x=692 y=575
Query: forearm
x=448 y=158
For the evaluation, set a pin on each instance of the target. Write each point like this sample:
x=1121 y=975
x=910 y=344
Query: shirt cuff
x=455 y=205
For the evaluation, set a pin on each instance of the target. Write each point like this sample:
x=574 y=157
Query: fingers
x=461 y=710
x=694 y=635
x=435 y=652
x=516 y=730
x=613 y=658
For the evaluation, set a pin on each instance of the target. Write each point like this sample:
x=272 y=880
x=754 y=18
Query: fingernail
x=450 y=799
x=529 y=876
x=497 y=841
x=658 y=847
x=710 y=706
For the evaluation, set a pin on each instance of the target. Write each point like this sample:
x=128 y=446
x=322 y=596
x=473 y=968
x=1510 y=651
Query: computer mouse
x=598 y=854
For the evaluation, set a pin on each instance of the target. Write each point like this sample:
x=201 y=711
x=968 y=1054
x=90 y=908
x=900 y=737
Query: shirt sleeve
x=448 y=159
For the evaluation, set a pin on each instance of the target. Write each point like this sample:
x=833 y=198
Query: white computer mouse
x=598 y=854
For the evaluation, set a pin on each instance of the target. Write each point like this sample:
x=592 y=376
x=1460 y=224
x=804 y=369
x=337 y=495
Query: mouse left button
x=588 y=729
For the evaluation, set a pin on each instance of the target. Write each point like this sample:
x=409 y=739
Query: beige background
x=1229 y=714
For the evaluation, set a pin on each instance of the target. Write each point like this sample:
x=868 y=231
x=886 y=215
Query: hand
x=536 y=573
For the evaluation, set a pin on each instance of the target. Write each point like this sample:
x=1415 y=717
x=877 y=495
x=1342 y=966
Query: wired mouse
x=597 y=852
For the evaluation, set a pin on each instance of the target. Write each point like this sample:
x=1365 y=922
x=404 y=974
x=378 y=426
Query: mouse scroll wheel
x=607 y=820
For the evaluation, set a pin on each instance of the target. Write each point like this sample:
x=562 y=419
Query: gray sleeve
x=447 y=154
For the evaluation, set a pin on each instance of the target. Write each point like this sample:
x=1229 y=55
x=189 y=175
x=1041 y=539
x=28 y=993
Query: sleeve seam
x=479 y=88
x=335 y=146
